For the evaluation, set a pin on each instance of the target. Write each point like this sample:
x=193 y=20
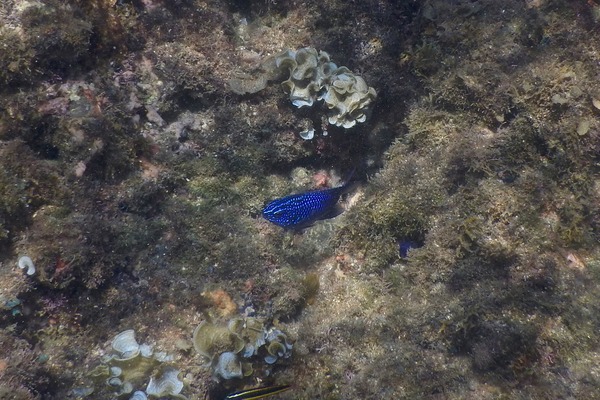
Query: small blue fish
x=301 y=210
x=404 y=245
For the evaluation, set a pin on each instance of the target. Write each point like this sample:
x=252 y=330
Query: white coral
x=313 y=77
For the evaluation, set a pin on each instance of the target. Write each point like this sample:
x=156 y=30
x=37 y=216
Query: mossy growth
x=423 y=58
x=211 y=232
x=66 y=35
x=26 y=184
x=402 y=202
x=293 y=291
x=16 y=58
x=65 y=245
x=59 y=39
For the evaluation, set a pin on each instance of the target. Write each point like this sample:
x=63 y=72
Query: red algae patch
x=3 y=365
x=222 y=302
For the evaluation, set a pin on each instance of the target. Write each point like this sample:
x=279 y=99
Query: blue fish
x=404 y=245
x=301 y=210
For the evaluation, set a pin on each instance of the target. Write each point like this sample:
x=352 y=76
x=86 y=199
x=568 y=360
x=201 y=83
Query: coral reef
x=128 y=367
x=140 y=140
x=310 y=76
x=240 y=348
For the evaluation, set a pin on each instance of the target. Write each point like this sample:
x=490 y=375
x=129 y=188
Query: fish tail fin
x=349 y=184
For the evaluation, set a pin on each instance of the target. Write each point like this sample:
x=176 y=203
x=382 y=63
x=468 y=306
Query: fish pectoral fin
x=334 y=212
x=299 y=229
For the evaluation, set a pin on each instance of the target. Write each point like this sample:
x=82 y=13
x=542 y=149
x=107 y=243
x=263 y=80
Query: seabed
x=141 y=139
